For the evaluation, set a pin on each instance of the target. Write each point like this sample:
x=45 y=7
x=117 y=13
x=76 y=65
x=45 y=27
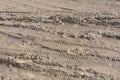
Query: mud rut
x=49 y=45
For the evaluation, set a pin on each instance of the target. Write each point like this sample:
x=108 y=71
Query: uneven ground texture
x=59 y=39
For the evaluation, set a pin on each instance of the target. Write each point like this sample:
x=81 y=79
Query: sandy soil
x=59 y=39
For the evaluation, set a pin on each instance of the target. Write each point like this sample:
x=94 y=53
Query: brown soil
x=59 y=40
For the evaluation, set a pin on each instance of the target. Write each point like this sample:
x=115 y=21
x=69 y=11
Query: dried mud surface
x=59 y=40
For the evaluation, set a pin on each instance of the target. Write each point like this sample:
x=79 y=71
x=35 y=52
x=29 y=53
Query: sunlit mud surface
x=59 y=40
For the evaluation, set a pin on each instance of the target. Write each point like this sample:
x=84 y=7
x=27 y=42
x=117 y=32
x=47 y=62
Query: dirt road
x=59 y=40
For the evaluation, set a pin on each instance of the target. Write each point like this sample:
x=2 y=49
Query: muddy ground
x=59 y=39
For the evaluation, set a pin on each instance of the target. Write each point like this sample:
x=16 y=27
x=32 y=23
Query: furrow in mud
x=13 y=12
x=25 y=66
x=81 y=18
